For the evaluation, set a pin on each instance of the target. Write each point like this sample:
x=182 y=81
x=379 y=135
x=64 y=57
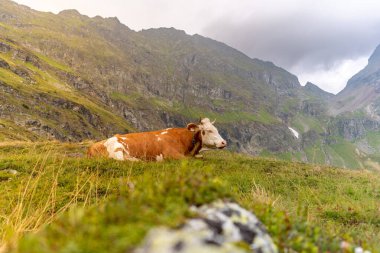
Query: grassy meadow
x=60 y=201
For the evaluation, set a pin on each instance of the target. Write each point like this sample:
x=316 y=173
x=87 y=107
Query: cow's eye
x=210 y=131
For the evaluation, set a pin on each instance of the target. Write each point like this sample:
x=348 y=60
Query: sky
x=322 y=41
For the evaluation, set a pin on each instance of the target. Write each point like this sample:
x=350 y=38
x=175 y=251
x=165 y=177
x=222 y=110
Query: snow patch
x=294 y=132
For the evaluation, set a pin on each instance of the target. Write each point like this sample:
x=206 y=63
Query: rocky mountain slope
x=362 y=92
x=152 y=79
x=349 y=124
x=70 y=77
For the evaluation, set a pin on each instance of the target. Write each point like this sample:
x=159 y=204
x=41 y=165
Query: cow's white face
x=210 y=135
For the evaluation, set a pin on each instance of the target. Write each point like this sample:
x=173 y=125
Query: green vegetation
x=108 y=206
x=315 y=154
x=304 y=123
x=346 y=151
x=130 y=98
x=226 y=117
x=44 y=81
x=10 y=131
x=11 y=78
x=54 y=63
x=137 y=100
x=373 y=139
x=340 y=154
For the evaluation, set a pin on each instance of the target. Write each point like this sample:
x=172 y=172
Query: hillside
x=353 y=118
x=50 y=191
x=70 y=77
x=362 y=92
x=158 y=77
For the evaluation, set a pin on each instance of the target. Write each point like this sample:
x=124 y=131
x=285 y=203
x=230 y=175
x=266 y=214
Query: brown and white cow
x=170 y=143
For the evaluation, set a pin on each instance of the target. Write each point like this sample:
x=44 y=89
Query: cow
x=169 y=143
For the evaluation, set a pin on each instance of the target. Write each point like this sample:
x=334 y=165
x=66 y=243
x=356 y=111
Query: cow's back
x=148 y=145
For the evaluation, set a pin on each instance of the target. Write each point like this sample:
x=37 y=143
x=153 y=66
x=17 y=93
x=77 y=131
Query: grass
x=108 y=206
x=130 y=98
x=315 y=154
x=304 y=123
x=11 y=131
x=46 y=82
x=11 y=78
x=54 y=63
x=347 y=153
x=226 y=117
x=373 y=139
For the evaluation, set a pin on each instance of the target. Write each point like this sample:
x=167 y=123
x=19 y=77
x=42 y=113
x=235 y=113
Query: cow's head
x=209 y=134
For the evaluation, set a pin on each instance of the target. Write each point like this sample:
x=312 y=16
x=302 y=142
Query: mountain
x=152 y=79
x=316 y=92
x=70 y=77
x=362 y=92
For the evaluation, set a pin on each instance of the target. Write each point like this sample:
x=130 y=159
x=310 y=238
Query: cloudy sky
x=324 y=41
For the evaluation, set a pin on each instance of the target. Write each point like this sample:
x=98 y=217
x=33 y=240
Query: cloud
x=315 y=39
x=335 y=78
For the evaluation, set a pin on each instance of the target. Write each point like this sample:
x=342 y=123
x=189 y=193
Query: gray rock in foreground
x=219 y=228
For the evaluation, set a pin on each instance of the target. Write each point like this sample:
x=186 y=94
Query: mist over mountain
x=70 y=77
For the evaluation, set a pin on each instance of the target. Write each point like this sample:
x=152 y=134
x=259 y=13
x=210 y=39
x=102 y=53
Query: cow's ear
x=192 y=127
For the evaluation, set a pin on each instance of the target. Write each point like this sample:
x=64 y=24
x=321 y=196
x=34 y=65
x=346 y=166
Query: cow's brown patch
x=97 y=150
x=172 y=143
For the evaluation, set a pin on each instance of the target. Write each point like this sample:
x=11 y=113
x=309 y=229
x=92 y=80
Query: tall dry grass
x=37 y=199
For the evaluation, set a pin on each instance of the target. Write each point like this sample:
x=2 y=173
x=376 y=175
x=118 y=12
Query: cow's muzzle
x=222 y=145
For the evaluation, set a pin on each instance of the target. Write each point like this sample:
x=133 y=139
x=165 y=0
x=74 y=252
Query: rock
x=27 y=57
x=312 y=108
x=35 y=123
x=10 y=171
x=5 y=48
x=309 y=138
x=352 y=129
x=253 y=137
x=220 y=226
x=164 y=240
x=23 y=73
x=4 y=64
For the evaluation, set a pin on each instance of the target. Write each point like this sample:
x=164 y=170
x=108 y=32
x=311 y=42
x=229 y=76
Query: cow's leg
x=160 y=158
x=132 y=159
x=175 y=155
x=128 y=157
x=118 y=154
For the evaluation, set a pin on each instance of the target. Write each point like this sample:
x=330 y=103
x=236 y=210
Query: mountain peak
x=367 y=76
x=375 y=57
x=70 y=12
x=310 y=85
x=363 y=89
x=314 y=90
